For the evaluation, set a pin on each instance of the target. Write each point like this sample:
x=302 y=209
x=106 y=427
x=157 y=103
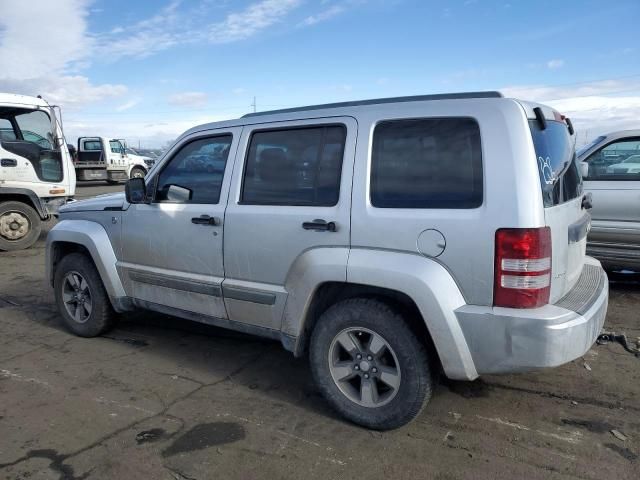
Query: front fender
x=94 y=238
x=134 y=165
x=433 y=290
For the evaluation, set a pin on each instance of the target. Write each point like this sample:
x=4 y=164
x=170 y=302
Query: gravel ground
x=165 y=398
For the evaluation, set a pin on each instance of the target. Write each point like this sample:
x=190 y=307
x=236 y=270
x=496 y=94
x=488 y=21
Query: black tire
x=416 y=381
x=27 y=215
x=102 y=317
x=140 y=172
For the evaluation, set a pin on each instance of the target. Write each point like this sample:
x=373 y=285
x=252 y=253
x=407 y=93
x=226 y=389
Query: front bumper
x=52 y=204
x=504 y=340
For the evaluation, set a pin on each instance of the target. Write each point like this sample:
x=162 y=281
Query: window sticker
x=546 y=170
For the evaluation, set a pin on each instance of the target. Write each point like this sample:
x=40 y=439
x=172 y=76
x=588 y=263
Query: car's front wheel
x=81 y=297
x=369 y=365
x=137 y=172
x=20 y=226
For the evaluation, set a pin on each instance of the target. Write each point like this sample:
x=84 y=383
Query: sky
x=148 y=70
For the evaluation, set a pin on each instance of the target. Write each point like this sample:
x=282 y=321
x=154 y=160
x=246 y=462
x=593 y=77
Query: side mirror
x=584 y=169
x=135 y=190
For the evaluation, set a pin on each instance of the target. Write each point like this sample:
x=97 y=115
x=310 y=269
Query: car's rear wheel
x=369 y=365
x=81 y=297
x=20 y=226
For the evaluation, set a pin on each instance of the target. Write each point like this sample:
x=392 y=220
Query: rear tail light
x=523 y=267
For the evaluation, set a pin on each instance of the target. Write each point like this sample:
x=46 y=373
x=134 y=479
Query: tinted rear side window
x=299 y=166
x=557 y=163
x=427 y=163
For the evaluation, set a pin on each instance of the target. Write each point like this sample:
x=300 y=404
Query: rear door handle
x=205 y=220
x=320 y=225
x=8 y=162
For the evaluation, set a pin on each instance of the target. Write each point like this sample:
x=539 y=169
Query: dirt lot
x=164 y=398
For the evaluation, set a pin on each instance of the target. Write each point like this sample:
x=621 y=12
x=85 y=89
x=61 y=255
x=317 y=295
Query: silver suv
x=611 y=167
x=387 y=239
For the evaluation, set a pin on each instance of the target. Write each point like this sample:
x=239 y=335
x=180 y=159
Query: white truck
x=101 y=158
x=37 y=174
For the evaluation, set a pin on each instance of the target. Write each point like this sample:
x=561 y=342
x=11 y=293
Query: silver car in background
x=611 y=171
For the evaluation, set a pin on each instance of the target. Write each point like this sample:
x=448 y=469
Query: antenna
x=254 y=104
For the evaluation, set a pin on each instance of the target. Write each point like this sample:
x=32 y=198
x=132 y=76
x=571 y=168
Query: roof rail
x=377 y=101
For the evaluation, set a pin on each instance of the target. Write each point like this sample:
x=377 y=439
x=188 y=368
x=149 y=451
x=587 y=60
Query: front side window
x=116 y=146
x=6 y=130
x=36 y=128
x=298 y=166
x=34 y=140
x=197 y=169
x=426 y=163
x=617 y=161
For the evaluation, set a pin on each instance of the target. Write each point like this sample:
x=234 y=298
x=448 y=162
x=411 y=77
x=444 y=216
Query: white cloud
x=555 y=63
x=330 y=12
x=173 y=26
x=151 y=135
x=42 y=57
x=255 y=18
x=127 y=105
x=596 y=107
x=188 y=99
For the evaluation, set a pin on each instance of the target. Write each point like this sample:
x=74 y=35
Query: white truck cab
x=36 y=170
x=102 y=158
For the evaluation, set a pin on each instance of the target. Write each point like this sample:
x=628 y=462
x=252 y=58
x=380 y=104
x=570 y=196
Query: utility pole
x=253 y=104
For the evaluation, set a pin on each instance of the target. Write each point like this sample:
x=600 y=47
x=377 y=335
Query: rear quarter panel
x=512 y=196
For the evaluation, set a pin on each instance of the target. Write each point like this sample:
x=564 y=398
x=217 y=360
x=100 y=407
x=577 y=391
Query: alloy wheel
x=76 y=296
x=364 y=367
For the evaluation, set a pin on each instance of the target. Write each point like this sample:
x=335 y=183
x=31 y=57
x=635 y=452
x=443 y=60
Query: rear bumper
x=503 y=340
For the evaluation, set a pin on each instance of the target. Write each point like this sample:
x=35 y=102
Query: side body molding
x=433 y=290
x=94 y=238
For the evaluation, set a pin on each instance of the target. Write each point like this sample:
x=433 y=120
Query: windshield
x=560 y=178
x=29 y=134
x=592 y=143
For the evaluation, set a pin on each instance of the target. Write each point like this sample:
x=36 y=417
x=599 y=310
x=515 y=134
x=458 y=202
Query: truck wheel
x=369 y=365
x=20 y=226
x=81 y=298
x=137 y=172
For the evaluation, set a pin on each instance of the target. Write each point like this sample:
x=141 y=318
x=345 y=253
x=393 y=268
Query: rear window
x=557 y=163
x=427 y=163
x=92 y=145
x=295 y=166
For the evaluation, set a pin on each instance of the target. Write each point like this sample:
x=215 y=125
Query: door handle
x=8 y=162
x=205 y=220
x=320 y=225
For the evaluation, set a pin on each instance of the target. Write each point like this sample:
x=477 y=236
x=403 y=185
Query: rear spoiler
x=542 y=120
